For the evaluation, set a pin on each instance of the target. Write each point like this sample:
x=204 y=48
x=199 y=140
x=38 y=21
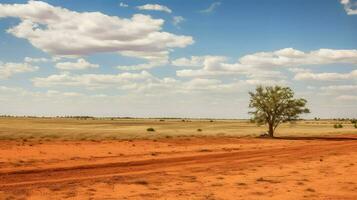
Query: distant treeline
x=84 y=117
x=352 y=120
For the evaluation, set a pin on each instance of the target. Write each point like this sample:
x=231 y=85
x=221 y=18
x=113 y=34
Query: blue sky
x=175 y=59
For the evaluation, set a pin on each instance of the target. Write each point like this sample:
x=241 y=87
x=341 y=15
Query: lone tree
x=274 y=105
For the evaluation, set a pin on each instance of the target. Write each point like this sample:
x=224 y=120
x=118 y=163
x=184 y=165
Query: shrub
x=199 y=130
x=355 y=125
x=150 y=129
x=337 y=126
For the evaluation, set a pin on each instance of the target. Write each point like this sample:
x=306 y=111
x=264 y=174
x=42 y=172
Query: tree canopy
x=274 y=105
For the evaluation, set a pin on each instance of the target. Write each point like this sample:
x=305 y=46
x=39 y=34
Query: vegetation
x=274 y=105
x=43 y=129
x=150 y=129
x=337 y=126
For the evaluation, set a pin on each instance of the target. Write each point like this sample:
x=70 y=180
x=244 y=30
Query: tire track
x=50 y=176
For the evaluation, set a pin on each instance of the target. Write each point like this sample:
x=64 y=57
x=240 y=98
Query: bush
x=199 y=130
x=355 y=125
x=150 y=129
x=337 y=126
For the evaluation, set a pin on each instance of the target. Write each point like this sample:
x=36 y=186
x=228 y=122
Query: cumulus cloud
x=326 y=76
x=218 y=66
x=211 y=8
x=349 y=6
x=143 y=82
x=291 y=57
x=154 y=59
x=36 y=60
x=340 y=88
x=91 y=80
x=264 y=63
x=80 y=64
x=155 y=7
x=8 y=70
x=269 y=68
x=62 y=32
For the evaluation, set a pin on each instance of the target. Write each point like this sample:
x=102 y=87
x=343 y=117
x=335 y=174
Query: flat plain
x=56 y=158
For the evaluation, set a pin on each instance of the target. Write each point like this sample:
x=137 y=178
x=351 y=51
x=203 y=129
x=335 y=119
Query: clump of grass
x=141 y=182
x=150 y=129
x=310 y=190
x=337 y=126
x=204 y=150
x=199 y=130
x=261 y=179
x=241 y=184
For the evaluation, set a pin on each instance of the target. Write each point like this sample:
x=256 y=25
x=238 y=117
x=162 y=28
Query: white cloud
x=91 y=81
x=124 y=5
x=265 y=67
x=62 y=32
x=7 y=70
x=201 y=73
x=211 y=8
x=193 y=61
x=36 y=60
x=81 y=64
x=143 y=82
x=341 y=88
x=349 y=6
x=299 y=70
x=155 y=7
x=290 y=57
x=177 y=20
x=263 y=64
x=325 y=76
x=154 y=59
x=287 y=57
x=218 y=66
x=265 y=82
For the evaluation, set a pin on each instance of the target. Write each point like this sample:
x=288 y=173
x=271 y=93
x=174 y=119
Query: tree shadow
x=325 y=138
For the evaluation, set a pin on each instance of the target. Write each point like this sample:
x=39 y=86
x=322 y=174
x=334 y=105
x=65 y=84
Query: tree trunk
x=271 y=130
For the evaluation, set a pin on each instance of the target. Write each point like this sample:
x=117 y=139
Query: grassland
x=107 y=129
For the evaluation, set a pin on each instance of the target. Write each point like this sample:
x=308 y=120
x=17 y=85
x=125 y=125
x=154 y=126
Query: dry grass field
x=120 y=159
x=107 y=129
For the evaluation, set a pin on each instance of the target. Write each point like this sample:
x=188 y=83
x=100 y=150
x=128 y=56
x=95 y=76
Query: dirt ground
x=181 y=168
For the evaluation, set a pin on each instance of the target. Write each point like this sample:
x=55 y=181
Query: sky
x=174 y=58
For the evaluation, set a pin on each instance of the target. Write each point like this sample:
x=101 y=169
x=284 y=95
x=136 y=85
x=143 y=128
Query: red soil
x=186 y=168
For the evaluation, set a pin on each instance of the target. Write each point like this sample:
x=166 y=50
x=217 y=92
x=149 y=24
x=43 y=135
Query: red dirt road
x=188 y=168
